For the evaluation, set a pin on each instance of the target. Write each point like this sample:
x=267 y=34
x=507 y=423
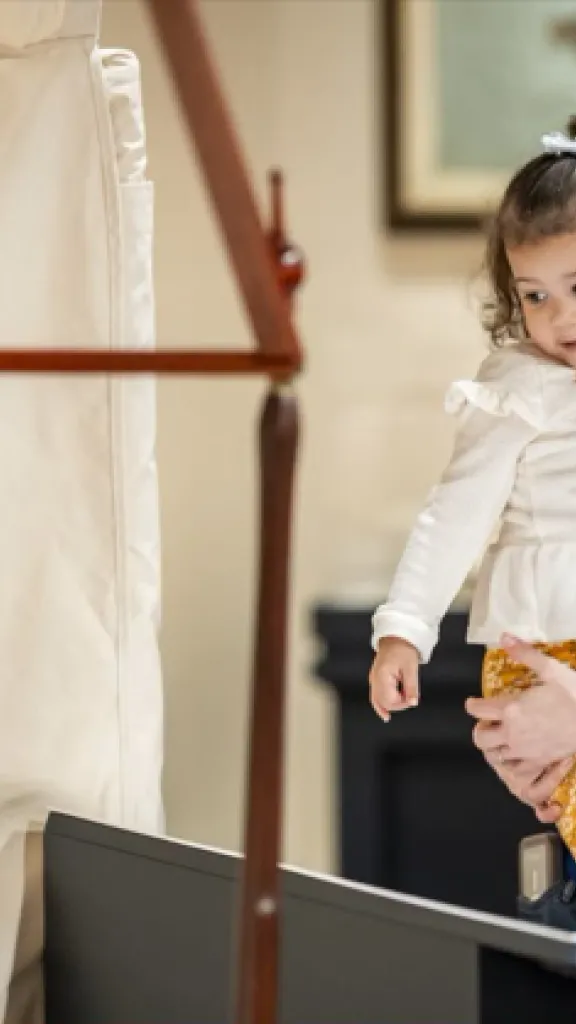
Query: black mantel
x=419 y=809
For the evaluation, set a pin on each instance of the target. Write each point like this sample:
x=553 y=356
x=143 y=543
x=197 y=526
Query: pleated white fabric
x=80 y=683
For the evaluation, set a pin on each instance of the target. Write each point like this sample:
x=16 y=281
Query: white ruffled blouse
x=513 y=465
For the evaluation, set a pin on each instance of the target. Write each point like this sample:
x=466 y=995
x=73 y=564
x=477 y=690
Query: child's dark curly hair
x=540 y=202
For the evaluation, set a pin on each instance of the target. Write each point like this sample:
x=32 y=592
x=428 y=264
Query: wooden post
x=259 y=939
x=258 y=953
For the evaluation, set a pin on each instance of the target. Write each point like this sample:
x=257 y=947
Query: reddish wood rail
x=162 y=362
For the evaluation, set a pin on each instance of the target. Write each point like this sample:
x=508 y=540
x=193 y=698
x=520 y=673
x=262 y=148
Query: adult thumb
x=523 y=653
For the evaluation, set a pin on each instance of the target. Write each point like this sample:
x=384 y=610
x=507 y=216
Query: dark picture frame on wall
x=469 y=89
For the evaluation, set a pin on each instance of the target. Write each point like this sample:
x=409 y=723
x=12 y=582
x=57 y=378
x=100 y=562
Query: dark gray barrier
x=141 y=930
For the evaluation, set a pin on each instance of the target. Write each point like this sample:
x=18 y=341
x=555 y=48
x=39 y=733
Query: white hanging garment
x=80 y=684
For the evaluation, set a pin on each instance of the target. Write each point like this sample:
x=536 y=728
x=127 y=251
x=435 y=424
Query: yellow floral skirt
x=501 y=675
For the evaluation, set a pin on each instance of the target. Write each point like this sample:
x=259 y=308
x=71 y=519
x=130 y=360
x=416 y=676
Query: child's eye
x=535 y=298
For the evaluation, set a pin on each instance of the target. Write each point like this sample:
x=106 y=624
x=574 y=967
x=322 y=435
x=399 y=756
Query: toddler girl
x=513 y=465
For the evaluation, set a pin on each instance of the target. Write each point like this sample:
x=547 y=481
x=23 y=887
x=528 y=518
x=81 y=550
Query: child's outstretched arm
x=449 y=536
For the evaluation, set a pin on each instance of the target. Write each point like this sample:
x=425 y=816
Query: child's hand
x=393 y=677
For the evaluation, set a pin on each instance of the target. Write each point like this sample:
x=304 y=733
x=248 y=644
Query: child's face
x=544 y=273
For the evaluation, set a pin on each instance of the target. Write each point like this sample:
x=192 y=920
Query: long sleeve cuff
x=387 y=622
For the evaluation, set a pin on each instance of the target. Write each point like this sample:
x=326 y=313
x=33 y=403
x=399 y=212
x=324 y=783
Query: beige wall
x=386 y=325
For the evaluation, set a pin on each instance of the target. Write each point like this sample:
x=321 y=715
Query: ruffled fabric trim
x=492 y=400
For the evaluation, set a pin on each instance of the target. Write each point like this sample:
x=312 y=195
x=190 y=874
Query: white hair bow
x=557 y=142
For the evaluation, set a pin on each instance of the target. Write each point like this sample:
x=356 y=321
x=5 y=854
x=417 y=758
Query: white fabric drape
x=80 y=685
